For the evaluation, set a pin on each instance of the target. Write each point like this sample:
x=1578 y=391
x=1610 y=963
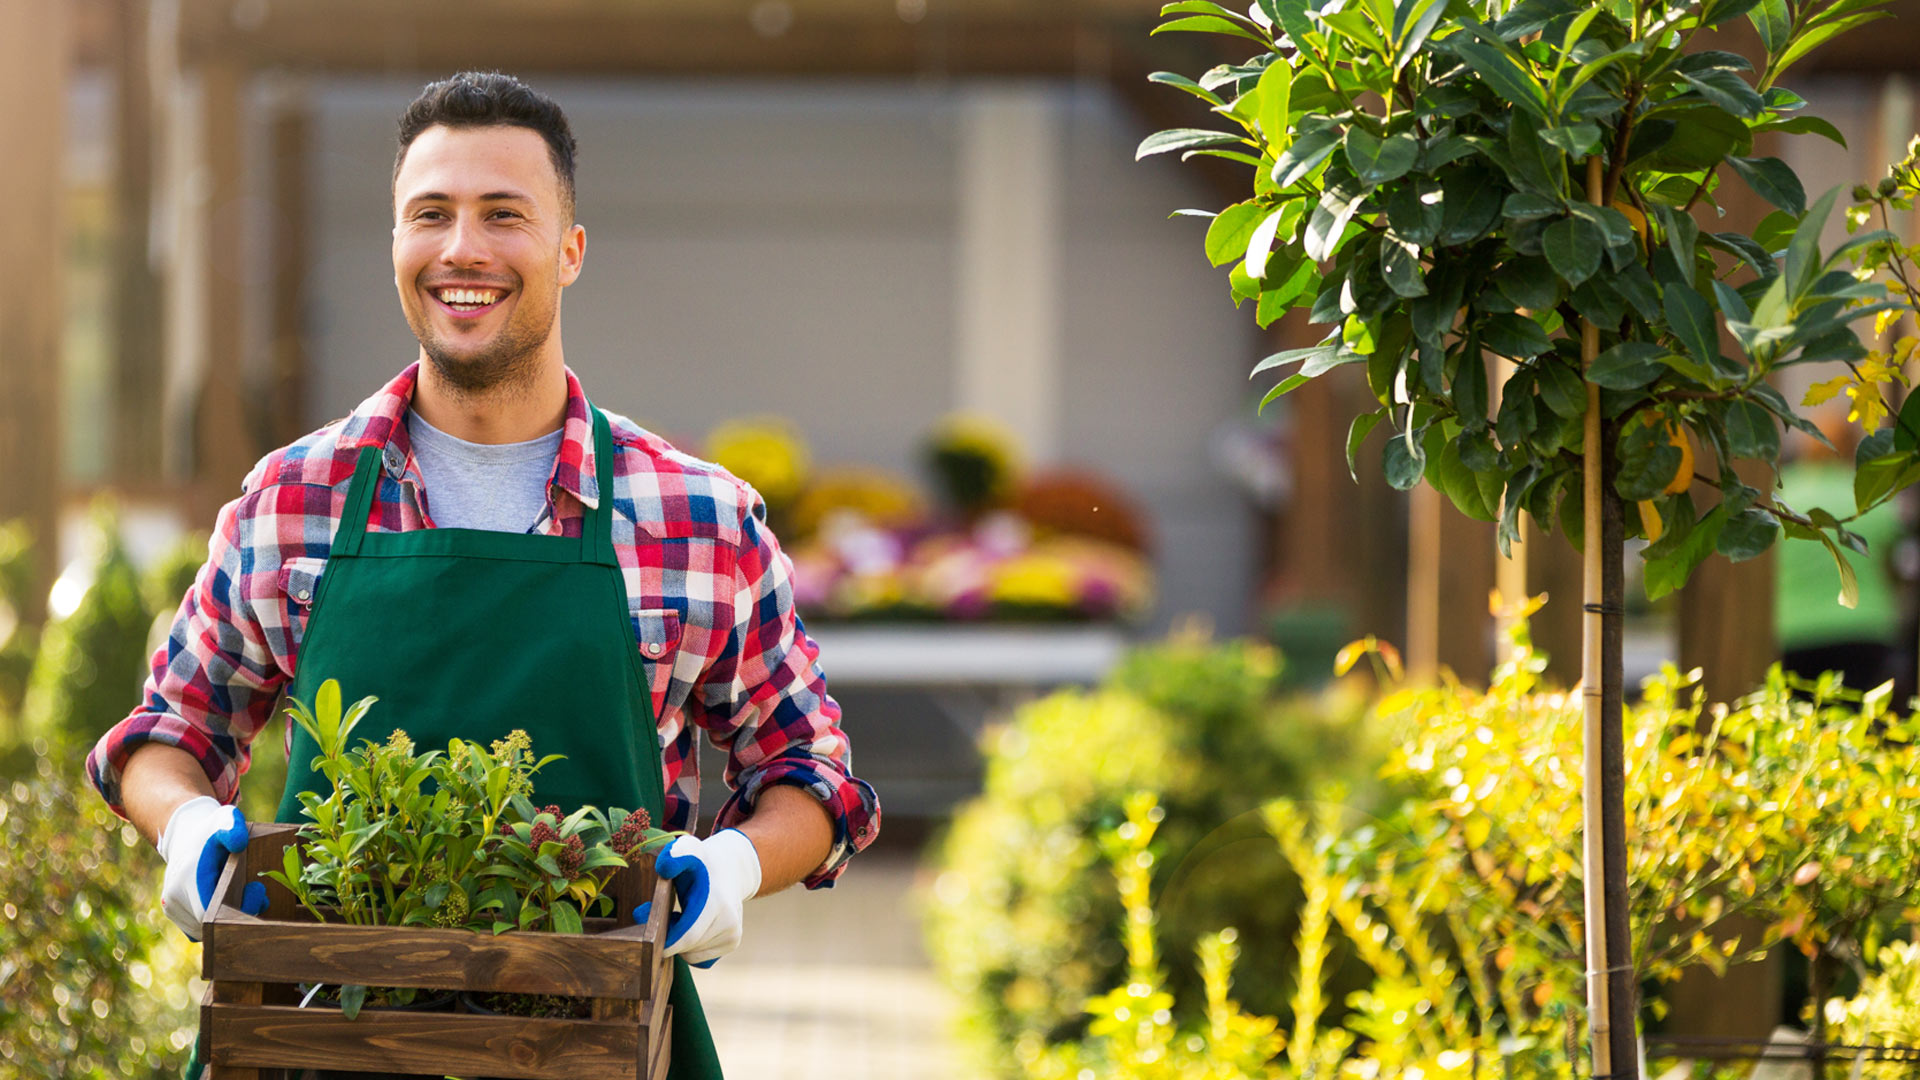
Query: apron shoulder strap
x=353 y=518
x=596 y=530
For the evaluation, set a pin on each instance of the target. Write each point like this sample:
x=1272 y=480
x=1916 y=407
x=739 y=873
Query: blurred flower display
x=1059 y=545
x=765 y=452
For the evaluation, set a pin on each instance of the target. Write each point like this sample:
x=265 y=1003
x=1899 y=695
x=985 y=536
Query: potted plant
x=433 y=872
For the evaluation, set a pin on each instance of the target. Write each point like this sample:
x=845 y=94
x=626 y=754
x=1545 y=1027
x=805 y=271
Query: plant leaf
x=1773 y=181
x=1377 y=161
x=1692 y=322
x=1161 y=142
x=1502 y=73
x=1209 y=24
x=1574 y=246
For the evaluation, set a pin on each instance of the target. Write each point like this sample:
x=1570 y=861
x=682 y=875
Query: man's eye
x=429 y=215
x=507 y=213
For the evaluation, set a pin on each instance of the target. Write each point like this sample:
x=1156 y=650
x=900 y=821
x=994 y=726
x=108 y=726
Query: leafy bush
x=1464 y=900
x=90 y=666
x=94 y=981
x=18 y=641
x=1886 y=1011
x=1017 y=915
x=1801 y=813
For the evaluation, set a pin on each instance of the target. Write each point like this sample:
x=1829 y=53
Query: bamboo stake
x=1599 y=1010
x=1610 y=992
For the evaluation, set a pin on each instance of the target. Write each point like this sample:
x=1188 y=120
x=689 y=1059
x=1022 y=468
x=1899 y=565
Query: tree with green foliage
x=1477 y=195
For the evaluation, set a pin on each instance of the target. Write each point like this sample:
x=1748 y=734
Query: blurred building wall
x=795 y=249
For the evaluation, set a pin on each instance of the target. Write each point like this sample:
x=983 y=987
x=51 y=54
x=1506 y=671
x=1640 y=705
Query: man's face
x=481 y=249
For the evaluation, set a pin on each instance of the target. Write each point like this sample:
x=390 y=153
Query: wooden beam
x=224 y=448
x=33 y=74
x=137 y=353
x=811 y=37
x=1450 y=571
x=290 y=138
x=1726 y=609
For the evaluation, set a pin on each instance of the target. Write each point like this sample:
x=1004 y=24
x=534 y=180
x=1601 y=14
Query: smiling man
x=483 y=549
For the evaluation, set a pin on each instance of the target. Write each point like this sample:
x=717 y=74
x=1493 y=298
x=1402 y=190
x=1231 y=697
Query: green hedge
x=91 y=664
x=1020 y=914
x=95 y=983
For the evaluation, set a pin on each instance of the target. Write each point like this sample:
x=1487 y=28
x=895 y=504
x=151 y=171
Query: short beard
x=508 y=366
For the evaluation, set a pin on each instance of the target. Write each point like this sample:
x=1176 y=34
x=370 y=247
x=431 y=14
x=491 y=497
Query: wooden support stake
x=33 y=78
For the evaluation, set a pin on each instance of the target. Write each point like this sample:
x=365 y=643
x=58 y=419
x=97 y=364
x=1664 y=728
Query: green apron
x=471 y=633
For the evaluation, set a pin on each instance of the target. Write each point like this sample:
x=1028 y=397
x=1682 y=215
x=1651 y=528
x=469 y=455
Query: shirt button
x=303 y=595
x=653 y=648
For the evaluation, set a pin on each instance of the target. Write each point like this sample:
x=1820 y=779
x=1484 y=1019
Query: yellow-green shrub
x=1018 y=918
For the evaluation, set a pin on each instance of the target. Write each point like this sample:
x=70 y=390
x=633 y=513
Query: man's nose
x=466 y=243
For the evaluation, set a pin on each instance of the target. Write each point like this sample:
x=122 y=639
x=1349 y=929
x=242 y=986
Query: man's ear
x=573 y=253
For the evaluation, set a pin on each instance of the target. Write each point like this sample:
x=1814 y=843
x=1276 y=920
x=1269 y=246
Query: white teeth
x=468 y=296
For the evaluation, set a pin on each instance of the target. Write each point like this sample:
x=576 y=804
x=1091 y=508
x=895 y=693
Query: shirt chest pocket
x=656 y=634
x=299 y=587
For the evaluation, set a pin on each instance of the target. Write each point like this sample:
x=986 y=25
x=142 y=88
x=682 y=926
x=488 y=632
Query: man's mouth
x=467 y=301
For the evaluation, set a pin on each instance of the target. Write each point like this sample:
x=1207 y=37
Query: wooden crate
x=252 y=1028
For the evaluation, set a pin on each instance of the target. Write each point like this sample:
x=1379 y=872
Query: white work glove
x=715 y=878
x=195 y=844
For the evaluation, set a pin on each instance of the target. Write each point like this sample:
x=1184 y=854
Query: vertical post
x=223 y=447
x=291 y=138
x=1008 y=347
x=137 y=370
x=34 y=59
x=1450 y=569
x=1726 y=609
x=1610 y=987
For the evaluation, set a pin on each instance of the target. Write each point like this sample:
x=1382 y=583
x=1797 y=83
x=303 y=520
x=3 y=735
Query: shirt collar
x=380 y=421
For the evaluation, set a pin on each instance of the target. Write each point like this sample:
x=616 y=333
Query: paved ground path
x=833 y=983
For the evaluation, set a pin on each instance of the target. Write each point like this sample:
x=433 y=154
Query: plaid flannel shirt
x=708 y=589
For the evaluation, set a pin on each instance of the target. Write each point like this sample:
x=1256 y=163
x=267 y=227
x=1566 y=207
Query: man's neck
x=503 y=414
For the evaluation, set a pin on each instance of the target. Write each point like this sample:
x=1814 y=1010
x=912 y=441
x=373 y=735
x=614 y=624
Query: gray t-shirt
x=496 y=486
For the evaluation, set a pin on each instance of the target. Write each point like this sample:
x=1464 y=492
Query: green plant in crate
x=446 y=838
x=1444 y=182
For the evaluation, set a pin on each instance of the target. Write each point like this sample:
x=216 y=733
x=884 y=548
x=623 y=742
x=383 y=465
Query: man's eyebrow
x=491 y=196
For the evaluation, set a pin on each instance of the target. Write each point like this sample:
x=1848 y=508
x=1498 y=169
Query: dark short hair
x=487 y=99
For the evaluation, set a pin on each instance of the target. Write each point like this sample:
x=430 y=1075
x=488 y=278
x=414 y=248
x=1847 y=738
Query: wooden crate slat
x=270 y=1036
x=662 y=1045
x=431 y=957
x=252 y=1033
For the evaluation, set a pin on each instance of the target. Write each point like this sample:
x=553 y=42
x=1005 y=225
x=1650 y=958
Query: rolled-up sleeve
x=213 y=685
x=764 y=701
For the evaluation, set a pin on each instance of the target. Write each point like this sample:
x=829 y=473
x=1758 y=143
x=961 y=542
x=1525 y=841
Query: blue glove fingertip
x=642 y=913
x=253 y=901
x=206 y=874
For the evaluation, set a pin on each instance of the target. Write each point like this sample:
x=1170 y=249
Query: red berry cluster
x=631 y=832
x=542 y=832
x=572 y=857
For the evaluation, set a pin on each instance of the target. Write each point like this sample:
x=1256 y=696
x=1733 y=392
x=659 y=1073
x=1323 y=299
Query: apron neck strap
x=353 y=519
x=596 y=529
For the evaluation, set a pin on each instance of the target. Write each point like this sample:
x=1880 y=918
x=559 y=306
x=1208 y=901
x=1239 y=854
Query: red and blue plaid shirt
x=708 y=589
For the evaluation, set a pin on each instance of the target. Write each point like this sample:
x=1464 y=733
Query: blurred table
x=1015 y=657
